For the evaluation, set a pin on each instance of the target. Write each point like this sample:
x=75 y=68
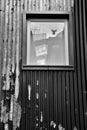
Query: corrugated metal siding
x=65 y=99
x=82 y=81
x=66 y=91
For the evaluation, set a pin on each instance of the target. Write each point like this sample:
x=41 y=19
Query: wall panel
x=63 y=94
x=63 y=102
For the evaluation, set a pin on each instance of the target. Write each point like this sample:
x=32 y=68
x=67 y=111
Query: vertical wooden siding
x=11 y=25
x=65 y=103
x=66 y=90
x=81 y=45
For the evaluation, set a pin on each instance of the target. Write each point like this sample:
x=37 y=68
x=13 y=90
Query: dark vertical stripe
x=68 y=111
x=27 y=105
x=21 y=97
x=55 y=97
x=77 y=117
x=51 y=99
x=36 y=90
x=39 y=98
x=29 y=102
x=0 y=50
x=79 y=65
x=84 y=8
x=82 y=60
x=59 y=99
x=84 y=28
x=66 y=91
x=43 y=87
x=72 y=100
x=63 y=99
x=24 y=100
x=48 y=102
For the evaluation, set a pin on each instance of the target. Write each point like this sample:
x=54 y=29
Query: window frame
x=48 y=15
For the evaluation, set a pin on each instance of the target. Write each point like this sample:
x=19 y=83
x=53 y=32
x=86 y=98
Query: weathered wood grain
x=66 y=102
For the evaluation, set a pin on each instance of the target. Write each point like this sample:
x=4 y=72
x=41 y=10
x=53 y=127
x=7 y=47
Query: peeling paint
x=6 y=127
x=41 y=119
x=37 y=119
x=75 y=128
x=29 y=92
x=53 y=124
x=86 y=113
x=37 y=106
x=37 y=82
x=37 y=125
x=45 y=95
x=60 y=127
x=37 y=95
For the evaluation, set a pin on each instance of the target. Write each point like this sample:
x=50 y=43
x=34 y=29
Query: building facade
x=46 y=97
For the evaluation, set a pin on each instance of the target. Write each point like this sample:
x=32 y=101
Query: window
x=47 y=40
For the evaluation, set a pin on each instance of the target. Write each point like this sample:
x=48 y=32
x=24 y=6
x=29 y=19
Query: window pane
x=47 y=43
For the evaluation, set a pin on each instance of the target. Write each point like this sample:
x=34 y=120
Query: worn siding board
x=79 y=65
x=85 y=33
x=66 y=91
x=24 y=100
x=77 y=117
x=0 y=55
x=55 y=85
x=72 y=107
x=50 y=98
x=68 y=112
x=59 y=98
x=63 y=87
x=2 y=18
x=82 y=63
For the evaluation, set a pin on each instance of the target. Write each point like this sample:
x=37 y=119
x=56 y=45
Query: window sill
x=33 y=67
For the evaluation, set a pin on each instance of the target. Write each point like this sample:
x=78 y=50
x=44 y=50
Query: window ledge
x=68 y=67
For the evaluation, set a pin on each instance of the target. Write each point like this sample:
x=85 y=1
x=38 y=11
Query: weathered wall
x=71 y=85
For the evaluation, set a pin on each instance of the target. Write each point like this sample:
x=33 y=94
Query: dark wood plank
x=21 y=97
x=28 y=102
x=24 y=100
x=84 y=7
x=63 y=86
x=48 y=101
x=59 y=99
x=43 y=98
x=39 y=89
x=72 y=100
x=83 y=77
x=33 y=101
x=55 y=85
x=77 y=108
x=51 y=98
x=83 y=56
x=77 y=116
x=35 y=91
x=79 y=66
x=68 y=110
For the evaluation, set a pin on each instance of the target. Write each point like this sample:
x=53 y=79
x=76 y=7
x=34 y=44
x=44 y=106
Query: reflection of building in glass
x=41 y=50
x=39 y=36
x=49 y=51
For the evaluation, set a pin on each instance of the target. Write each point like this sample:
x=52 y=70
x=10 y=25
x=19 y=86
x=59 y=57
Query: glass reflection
x=48 y=43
